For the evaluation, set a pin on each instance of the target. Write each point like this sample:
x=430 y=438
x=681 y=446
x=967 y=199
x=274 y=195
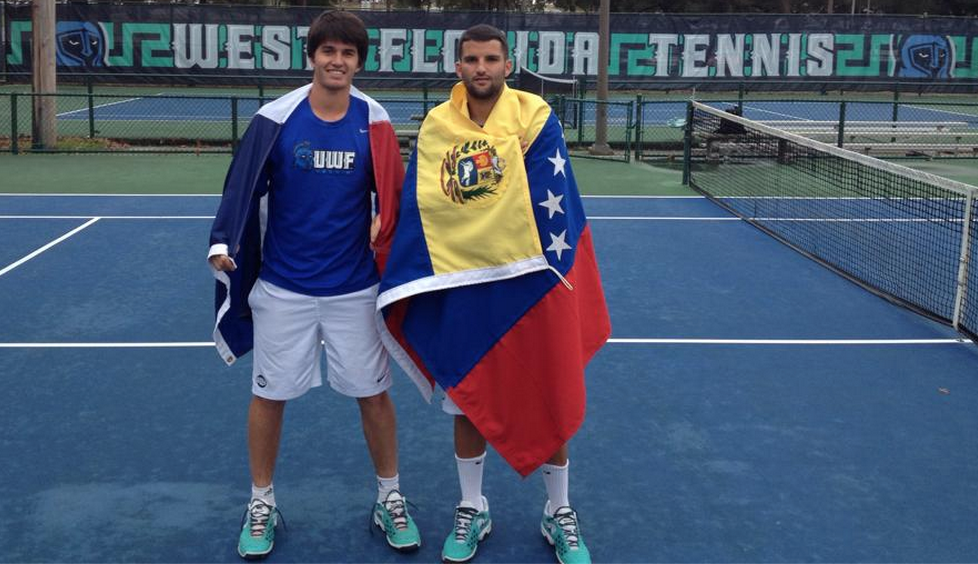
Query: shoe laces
x=463 y=521
x=395 y=506
x=259 y=514
x=566 y=519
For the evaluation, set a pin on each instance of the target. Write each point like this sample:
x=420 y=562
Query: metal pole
x=842 y=124
x=91 y=110
x=688 y=145
x=234 y=124
x=600 y=146
x=13 y=123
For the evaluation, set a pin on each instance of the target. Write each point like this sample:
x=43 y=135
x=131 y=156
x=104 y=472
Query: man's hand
x=222 y=263
x=374 y=229
x=524 y=145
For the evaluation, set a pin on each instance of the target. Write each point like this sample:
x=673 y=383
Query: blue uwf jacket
x=239 y=226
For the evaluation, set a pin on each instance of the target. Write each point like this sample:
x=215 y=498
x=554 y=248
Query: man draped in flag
x=492 y=291
x=291 y=249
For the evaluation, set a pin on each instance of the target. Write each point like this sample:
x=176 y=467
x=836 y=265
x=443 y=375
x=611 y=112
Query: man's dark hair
x=337 y=26
x=484 y=32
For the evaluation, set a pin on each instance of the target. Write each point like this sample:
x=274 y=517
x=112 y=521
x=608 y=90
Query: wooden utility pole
x=600 y=146
x=44 y=131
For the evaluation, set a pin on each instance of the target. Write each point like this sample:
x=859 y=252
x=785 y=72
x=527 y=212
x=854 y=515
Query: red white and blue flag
x=491 y=289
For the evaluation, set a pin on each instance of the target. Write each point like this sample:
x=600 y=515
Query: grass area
x=114 y=173
x=189 y=174
x=962 y=170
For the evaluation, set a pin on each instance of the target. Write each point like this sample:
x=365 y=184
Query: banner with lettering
x=154 y=41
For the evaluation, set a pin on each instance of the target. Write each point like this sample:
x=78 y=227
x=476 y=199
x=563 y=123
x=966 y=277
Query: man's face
x=483 y=68
x=334 y=64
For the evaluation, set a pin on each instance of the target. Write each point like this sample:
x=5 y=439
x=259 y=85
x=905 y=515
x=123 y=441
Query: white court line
x=590 y=196
x=658 y=218
x=590 y=218
x=938 y=109
x=794 y=117
x=107 y=217
x=63 y=114
x=200 y=344
x=172 y=345
x=789 y=341
x=48 y=246
x=30 y=195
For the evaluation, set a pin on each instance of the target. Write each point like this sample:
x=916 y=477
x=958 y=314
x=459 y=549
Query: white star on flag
x=558 y=163
x=552 y=203
x=558 y=245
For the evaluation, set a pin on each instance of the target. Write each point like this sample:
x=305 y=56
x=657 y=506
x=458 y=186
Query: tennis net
x=904 y=234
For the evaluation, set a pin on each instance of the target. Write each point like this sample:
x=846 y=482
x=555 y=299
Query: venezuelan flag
x=491 y=289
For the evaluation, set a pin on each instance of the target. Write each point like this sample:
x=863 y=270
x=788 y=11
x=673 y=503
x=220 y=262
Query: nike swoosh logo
x=363 y=131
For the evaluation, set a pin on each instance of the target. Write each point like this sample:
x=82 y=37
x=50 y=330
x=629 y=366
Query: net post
x=688 y=144
x=964 y=261
x=424 y=98
x=740 y=98
x=91 y=110
x=13 y=123
x=842 y=124
x=234 y=124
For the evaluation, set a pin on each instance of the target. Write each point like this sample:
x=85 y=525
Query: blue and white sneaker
x=563 y=532
x=258 y=530
x=471 y=526
x=392 y=517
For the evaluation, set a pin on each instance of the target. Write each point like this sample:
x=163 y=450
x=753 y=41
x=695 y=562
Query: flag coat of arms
x=491 y=289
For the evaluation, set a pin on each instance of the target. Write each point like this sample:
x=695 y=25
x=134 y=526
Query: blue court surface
x=752 y=406
x=405 y=111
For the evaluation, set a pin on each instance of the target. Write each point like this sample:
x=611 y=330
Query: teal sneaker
x=563 y=532
x=392 y=517
x=258 y=530
x=471 y=526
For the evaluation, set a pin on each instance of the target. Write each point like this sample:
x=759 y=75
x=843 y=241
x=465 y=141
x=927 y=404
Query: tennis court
x=752 y=406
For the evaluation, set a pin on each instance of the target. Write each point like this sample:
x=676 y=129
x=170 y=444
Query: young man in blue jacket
x=292 y=247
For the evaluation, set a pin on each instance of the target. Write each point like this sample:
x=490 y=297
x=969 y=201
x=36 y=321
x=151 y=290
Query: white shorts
x=291 y=329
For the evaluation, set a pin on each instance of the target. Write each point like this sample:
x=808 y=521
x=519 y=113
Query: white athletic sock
x=266 y=494
x=470 y=479
x=555 y=478
x=386 y=486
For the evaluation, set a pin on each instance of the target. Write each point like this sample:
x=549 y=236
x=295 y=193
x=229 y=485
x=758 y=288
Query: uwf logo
x=926 y=56
x=304 y=157
x=471 y=171
x=80 y=44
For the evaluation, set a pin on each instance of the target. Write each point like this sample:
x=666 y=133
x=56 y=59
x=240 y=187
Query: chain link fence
x=579 y=118
x=651 y=129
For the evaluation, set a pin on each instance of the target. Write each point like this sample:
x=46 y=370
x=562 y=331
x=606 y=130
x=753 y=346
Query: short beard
x=489 y=94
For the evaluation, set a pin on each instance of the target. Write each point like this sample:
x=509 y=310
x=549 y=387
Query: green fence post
x=842 y=124
x=688 y=144
x=638 y=127
x=91 y=110
x=234 y=124
x=628 y=133
x=580 y=121
x=13 y=123
x=896 y=108
x=740 y=99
